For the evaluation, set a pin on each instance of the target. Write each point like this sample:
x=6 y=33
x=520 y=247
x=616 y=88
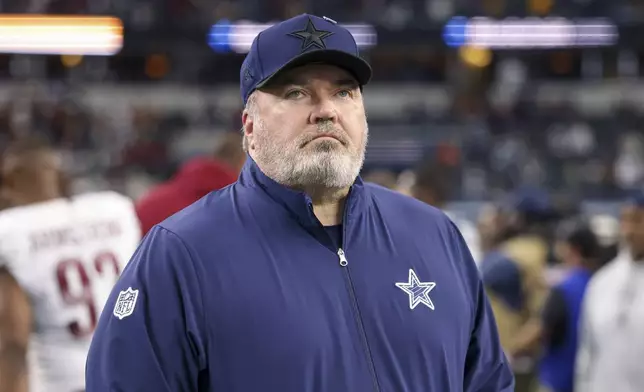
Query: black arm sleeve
x=554 y=319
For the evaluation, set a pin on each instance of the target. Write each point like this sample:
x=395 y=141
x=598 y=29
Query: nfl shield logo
x=125 y=303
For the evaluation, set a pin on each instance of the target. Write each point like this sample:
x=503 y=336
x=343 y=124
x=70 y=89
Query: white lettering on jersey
x=125 y=303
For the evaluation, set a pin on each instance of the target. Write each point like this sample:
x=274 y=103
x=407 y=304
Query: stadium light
x=62 y=35
x=529 y=33
x=226 y=36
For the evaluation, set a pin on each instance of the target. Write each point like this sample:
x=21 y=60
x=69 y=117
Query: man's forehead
x=316 y=72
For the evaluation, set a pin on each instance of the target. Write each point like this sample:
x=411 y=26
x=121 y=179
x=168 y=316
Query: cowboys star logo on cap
x=311 y=36
x=248 y=77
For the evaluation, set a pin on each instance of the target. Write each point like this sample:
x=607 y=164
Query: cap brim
x=356 y=66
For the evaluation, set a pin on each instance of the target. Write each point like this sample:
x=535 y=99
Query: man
x=611 y=343
x=430 y=186
x=60 y=258
x=513 y=275
x=580 y=252
x=300 y=277
x=195 y=179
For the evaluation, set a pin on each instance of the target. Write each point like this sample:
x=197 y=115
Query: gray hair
x=251 y=108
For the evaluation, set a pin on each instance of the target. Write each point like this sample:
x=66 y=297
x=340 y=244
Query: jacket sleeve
x=486 y=366
x=150 y=336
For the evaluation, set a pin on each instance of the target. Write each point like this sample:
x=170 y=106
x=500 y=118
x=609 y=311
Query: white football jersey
x=67 y=254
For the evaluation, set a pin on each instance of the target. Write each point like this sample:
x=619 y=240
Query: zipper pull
x=343 y=259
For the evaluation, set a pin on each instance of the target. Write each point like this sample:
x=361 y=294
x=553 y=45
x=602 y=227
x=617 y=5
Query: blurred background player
x=194 y=179
x=579 y=251
x=612 y=342
x=60 y=255
x=431 y=186
x=515 y=239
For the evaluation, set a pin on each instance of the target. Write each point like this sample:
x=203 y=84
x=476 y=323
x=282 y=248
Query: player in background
x=194 y=180
x=578 y=249
x=513 y=272
x=430 y=186
x=60 y=258
x=611 y=341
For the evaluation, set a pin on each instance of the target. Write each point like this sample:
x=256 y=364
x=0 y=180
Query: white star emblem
x=418 y=291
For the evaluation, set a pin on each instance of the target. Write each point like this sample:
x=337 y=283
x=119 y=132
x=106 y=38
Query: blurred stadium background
x=500 y=94
x=497 y=96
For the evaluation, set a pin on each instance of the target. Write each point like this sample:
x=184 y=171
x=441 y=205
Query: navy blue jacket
x=244 y=291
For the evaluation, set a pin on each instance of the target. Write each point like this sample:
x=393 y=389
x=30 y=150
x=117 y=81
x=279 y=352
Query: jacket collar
x=298 y=203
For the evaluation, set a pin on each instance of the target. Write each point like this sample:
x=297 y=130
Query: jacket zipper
x=358 y=318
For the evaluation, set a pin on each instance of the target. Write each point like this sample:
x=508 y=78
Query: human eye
x=345 y=93
x=294 y=94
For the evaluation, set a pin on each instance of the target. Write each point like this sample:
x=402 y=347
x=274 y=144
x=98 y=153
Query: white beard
x=326 y=164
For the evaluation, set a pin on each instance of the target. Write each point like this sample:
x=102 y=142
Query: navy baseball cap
x=298 y=41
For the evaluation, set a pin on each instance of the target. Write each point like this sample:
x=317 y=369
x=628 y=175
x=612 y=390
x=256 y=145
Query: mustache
x=327 y=129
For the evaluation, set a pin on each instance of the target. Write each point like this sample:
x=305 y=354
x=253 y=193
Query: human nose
x=324 y=110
